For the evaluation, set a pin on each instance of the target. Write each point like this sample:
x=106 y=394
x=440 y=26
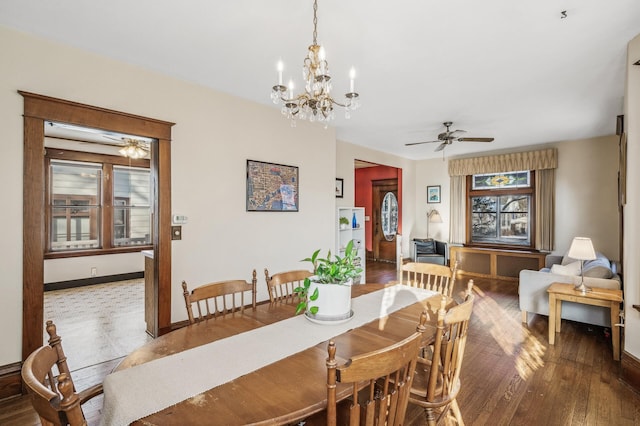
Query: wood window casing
x=499 y=192
x=107 y=245
x=38 y=109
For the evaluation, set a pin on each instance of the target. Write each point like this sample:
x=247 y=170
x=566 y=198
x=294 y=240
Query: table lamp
x=582 y=249
x=433 y=217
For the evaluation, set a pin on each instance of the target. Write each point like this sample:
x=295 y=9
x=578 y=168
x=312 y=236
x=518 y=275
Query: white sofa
x=533 y=296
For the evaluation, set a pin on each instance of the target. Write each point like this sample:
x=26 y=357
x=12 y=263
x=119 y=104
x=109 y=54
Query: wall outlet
x=94 y=271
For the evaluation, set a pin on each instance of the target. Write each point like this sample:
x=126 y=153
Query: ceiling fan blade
x=440 y=147
x=419 y=143
x=456 y=132
x=475 y=139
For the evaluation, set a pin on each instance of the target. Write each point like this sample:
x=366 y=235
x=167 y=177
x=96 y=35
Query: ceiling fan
x=133 y=148
x=448 y=137
x=127 y=145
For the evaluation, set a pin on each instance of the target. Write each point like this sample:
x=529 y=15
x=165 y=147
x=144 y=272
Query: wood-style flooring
x=510 y=375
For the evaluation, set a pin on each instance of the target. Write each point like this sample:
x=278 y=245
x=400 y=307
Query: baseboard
x=10 y=380
x=93 y=280
x=630 y=371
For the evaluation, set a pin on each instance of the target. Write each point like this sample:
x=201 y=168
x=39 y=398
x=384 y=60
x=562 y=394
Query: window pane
x=515 y=226
x=75 y=205
x=501 y=219
x=79 y=181
x=484 y=204
x=514 y=203
x=132 y=226
x=73 y=230
x=132 y=186
x=132 y=200
x=501 y=180
x=483 y=226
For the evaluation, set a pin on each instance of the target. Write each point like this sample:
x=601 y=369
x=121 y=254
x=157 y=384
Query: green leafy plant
x=328 y=270
x=344 y=220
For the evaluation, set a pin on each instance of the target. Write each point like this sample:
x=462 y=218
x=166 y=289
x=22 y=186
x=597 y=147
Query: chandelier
x=316 y=102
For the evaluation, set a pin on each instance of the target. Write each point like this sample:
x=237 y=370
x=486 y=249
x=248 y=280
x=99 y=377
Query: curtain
x=544 y=162
x=530 y=160
x=458 y=212
x=545 y=209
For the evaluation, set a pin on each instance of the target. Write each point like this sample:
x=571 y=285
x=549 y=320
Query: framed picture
x=339 y=187
x=271 y=187
x=433 y=194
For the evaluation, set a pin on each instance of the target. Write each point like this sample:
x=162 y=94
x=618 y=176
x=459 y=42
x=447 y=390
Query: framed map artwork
x=271 y=187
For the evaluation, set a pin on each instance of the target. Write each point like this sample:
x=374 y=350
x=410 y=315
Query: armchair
x=428 y=250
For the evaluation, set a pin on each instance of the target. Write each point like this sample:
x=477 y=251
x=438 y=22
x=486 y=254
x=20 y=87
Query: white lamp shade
x=434 y=217
x=581 y=249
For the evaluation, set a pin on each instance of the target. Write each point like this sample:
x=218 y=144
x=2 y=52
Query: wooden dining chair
x=378 y=384
x=54 y=396
x=429 y=276
x=282 y=284
x=436 y=383
x=219 y=298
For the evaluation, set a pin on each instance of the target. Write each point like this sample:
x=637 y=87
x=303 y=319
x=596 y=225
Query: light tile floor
x=98 y=323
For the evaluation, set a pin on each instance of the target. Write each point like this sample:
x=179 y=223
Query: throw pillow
x=568 y=269
x=598 y=268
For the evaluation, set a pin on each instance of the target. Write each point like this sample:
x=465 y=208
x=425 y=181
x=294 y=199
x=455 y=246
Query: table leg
x=558 y=315
x=552 y=318
x=615 y=330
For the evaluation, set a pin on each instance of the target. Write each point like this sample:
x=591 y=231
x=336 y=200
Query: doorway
x=37 y=110
x=384 y=247
x=366 y=174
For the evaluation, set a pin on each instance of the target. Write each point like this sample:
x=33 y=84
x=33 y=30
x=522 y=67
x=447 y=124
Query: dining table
x=282 y=390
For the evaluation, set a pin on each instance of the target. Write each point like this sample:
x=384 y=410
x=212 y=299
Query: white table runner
x=139 y=391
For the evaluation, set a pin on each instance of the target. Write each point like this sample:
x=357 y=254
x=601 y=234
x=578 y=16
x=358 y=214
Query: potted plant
x=326 y=296
x=344 y=222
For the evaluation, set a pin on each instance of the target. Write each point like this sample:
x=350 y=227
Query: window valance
x=530 y=160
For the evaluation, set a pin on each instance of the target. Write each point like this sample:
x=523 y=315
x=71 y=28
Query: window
x=500 y=209
x=131 y=206
x=96 y=207
x=75 y=207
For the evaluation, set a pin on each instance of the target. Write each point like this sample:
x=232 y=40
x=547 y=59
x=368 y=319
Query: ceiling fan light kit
x=134 y=149
x=316 y=102
x=449 y=136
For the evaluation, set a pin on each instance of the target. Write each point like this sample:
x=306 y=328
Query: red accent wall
x=363 y=194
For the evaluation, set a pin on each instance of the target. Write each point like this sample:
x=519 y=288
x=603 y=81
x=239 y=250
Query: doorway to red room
x=386 y=179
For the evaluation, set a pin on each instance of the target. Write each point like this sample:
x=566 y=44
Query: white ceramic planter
x=333 y=302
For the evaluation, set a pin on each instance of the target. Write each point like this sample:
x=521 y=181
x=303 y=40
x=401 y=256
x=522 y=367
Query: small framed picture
x=433 y=194
x=339 y=187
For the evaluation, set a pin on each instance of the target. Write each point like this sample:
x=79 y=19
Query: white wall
x=213 y=137
x=74 y=268
x=632 y=208
x=346 y=153
x=587 y=194
x=430 y=173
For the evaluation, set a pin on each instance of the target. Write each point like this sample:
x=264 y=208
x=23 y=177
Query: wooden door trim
x=376 y=186
x=37 y=109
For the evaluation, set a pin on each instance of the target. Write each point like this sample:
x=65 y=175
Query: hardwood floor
x=510 y=375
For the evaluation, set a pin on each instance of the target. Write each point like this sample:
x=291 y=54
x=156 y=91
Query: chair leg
x=431 y=418
x=456 y=412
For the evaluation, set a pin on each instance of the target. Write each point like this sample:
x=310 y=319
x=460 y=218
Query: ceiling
x=517 y=71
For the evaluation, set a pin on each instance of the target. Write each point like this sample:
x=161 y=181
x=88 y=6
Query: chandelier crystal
x=316 y=102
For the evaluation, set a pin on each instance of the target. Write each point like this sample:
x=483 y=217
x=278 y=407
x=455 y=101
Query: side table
x=608 y=298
